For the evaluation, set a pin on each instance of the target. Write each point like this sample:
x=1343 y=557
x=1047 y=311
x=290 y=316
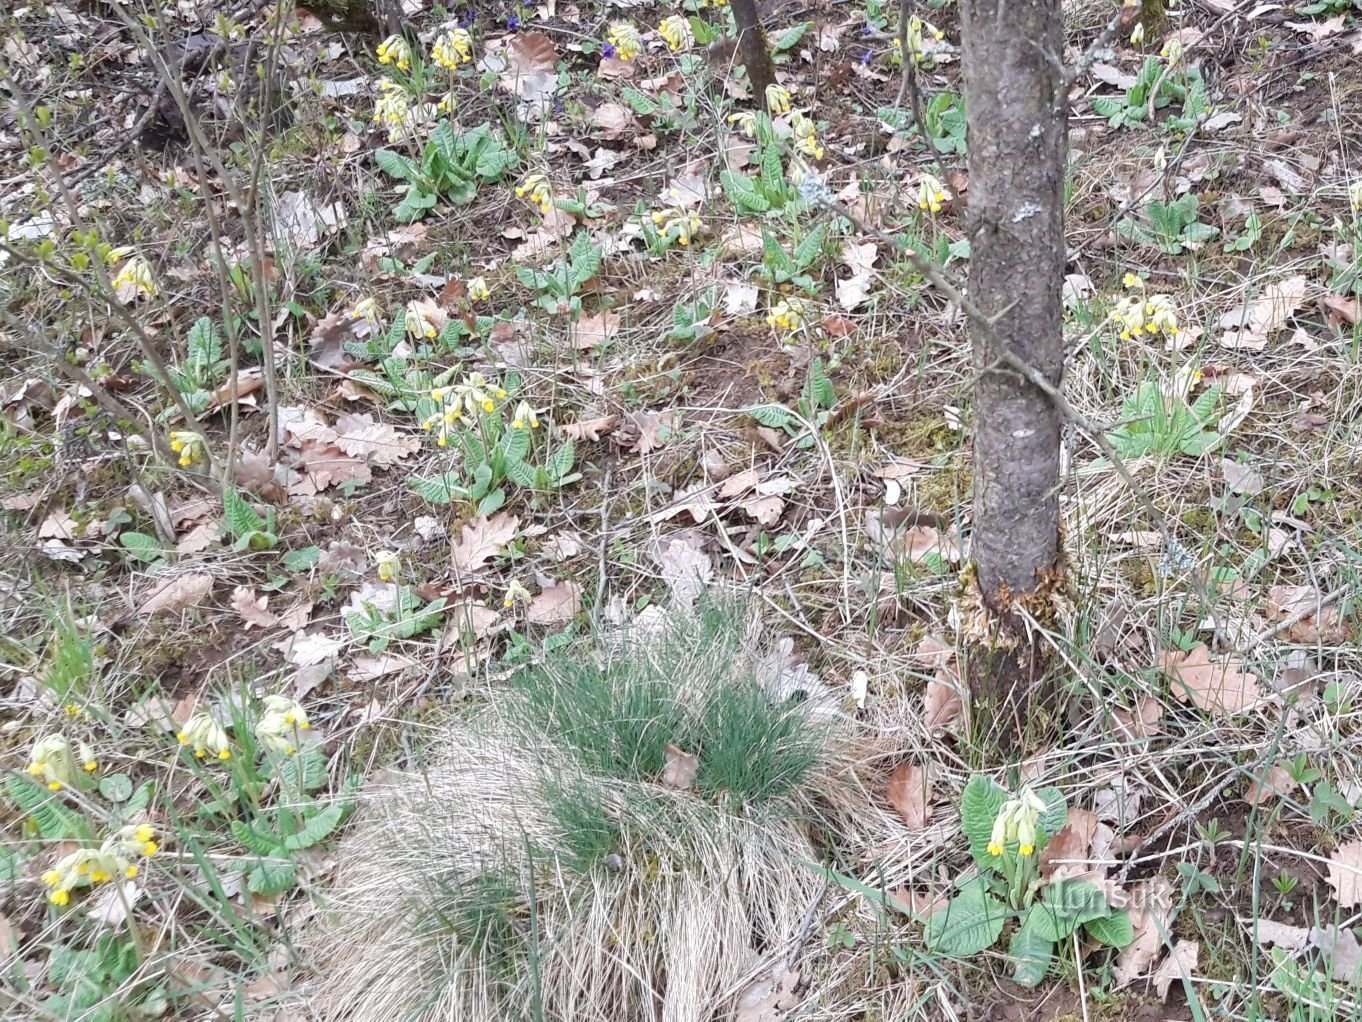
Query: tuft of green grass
x=616 y=719
x=751 y=748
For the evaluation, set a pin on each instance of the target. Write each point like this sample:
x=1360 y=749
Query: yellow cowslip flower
x=1137 y=36
x=1152 y=314
x=746 y=121
x=918 y=30
x=1017 y=821
x=395 y=50
x=206 y=737
x=389 y=565
x=55 y=763
x=777 y=100
x=1133 y=280
x=536 y=188
x=1172 y=51
x=515 y=593
x=449 y=102
x=675 y=224
x=133 y=839
x=418 y=323
x=478 y=291
x=524 y=416
x=931 y=194
x=452 y=48
x=366 y=309
x=788 y=316
x=1355 y=195
x=676 y=33
x=135 y=279
x=392 y=107
x=624 y=37
x=280 y=724
x=806 y=137
x=188 y=445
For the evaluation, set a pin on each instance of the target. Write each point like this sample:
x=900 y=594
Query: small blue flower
x=513 y=22
x=466 y=18
x=866 y=56
x=608 y=51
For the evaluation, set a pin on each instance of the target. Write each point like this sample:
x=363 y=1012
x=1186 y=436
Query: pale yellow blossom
x=452 y=48
x=395 y=50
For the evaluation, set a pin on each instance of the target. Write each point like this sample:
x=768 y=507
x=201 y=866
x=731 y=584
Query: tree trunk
x=756 y=55
x=1017 y=122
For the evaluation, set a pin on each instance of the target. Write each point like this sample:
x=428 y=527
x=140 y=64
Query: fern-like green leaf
x=240 y=518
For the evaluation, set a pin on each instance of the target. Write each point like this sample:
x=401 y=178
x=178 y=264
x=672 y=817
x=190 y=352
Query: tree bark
x=752 y=48
x=1017 y=122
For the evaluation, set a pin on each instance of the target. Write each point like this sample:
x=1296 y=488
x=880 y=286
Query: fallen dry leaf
x=766 y=510
x=909 y=791
x=58 y=525
x=178 y=594
x=304 y=650
x=770 y=997
x=589 y=429
x=686 y=570
x=481 y=540
x=1151 y=916
x=739 y=483
x=1342 y=950
x=1181 y=963
x=1065 y=855
x=1316 y=623
x=377 y=443
x=1345 y=873
x=1277 y=783
x=596 y=330
x=1216 y=686
x=1241 y=478
x=1251 y=325
x=680 y=768
x=1143 y=721
x=1292 y=938
x=253 y=610
x=555 y=605
x=646 y=431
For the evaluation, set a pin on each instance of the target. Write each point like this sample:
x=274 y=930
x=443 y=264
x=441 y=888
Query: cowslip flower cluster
x=525 y=417
x=206 y=737
x=515 y=593
x=676 y=224
x=624 y=38
x=57 y=765
x=367 y=309
x=806 y=137
x=134 y=278
x=389 y=565
x=396 y=51
x=1016 y=821
x=918 y=30
x=188 y=445
x=452 y=48
x=746 y=122
x=788 y=315
x=777 y=100
x=931 y=194
x=89 y=867
x=676 y=33
x=475 y=396
x=478 y=291
x=1141 y=313
x=392 y=108
x=419 y=323
x=1355 y=195
x=536 y=189
x=280 y=725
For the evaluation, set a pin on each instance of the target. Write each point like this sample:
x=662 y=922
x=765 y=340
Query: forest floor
x=553 y=339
